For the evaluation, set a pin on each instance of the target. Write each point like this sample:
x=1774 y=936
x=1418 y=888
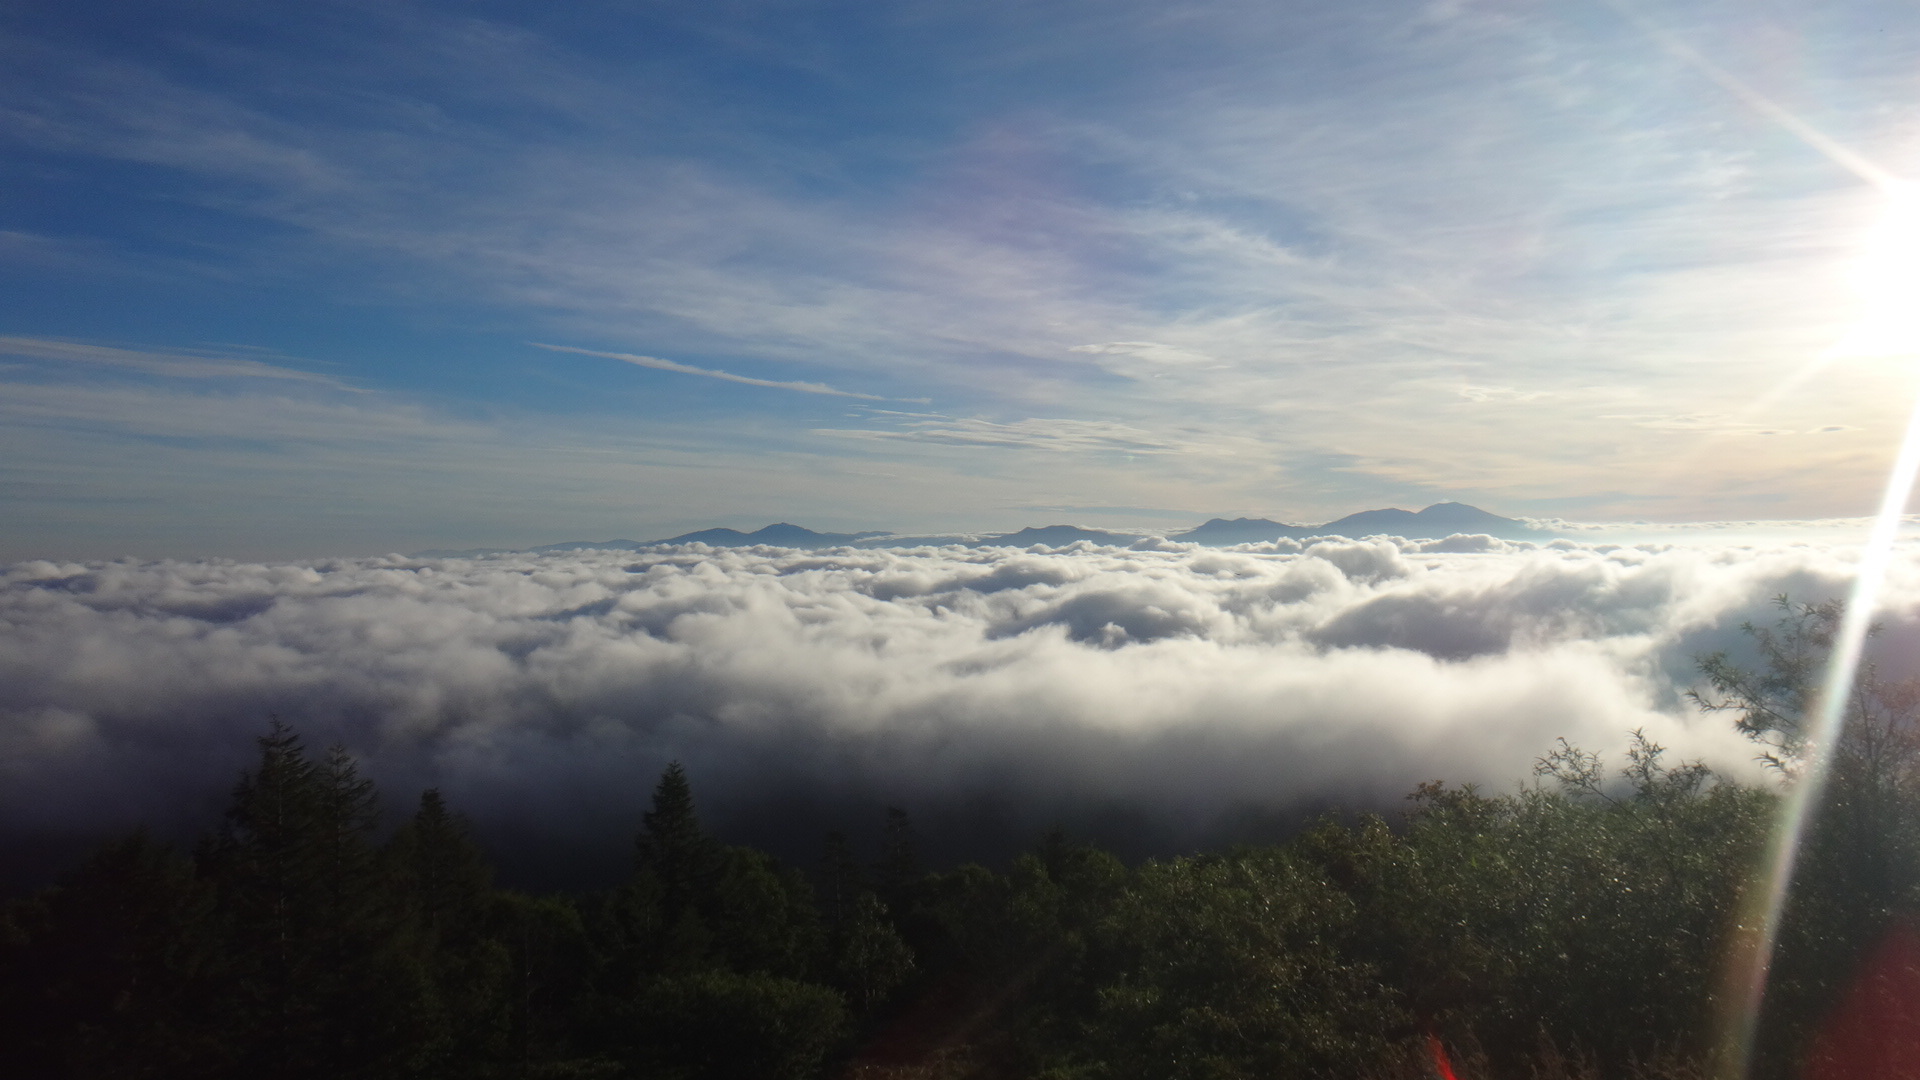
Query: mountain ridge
x=1436 y=522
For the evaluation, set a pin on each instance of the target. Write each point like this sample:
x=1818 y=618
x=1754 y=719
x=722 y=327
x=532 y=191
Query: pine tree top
x=670 y=831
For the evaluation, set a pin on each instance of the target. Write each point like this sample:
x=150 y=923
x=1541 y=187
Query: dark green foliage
x=295 y=946
x=1527 y=915
x=864 y=953
x=717 y=1025
x=841 y=883
x=440 y=870
x=321 y=984
x=1578 y=922
x=699 y=957
x=1571 y=918
x=1235 y=966
x=1859 y=870
x=103 y=973
x=898 y=874
x=1771 y=702
x=671 y=848
x=762 y=915
x=871 y=960
x=554 y=1015
x=442 y=887
x=695 y=905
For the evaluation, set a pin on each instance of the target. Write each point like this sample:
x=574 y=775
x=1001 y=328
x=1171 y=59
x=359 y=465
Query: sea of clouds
x=1155 y=697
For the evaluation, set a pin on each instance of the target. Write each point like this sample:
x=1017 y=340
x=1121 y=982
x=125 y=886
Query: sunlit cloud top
x=274 y=280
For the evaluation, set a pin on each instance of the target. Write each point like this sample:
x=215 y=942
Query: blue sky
x=302 y=279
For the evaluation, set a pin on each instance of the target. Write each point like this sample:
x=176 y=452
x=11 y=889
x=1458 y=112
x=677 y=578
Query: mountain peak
x=1056 y=536
x=778 y=534
x=1436 y=522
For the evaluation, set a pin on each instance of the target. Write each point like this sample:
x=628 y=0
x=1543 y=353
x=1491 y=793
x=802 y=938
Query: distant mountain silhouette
x=1055 y=536
x=779 y=534
x=593 y=545
x=1435 y=522
x=1221 y=532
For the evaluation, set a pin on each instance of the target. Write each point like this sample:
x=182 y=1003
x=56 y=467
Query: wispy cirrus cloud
x=282 y=420
x=726 y=376
x=170 y=364
x=1408 y=240
x=1035 y=433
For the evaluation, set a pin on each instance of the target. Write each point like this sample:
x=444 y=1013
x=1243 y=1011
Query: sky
x=294 y=281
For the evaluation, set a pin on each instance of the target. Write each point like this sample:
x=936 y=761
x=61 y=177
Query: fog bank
x=1156 y=697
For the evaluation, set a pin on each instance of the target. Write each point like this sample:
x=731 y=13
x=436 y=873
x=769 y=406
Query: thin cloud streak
x=688 y=369
x=173 y=365
x=1037 y=433
x=1831 y=148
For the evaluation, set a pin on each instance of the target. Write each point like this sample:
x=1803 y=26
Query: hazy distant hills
x=1435 y=522
x=779 y=534
x=1055 y=536
x=1221 y=532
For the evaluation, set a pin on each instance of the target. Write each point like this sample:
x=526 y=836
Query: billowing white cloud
x=1164 y=687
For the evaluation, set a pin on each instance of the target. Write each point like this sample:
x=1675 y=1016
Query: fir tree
x=264 y=867
x=112 y=970
x=445 y=884
x=898 y=872
x=841 y=883
x=319 y=985
x=442 y=871
x=346 y=814
x=672 y=848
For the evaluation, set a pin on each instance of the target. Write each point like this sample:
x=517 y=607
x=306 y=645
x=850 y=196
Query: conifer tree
x=444 y=885
x=841 y=883
x=873 y=961
x=346 y=814
x=110 y=971
x=443 y=872
x=319 y=987
x=899 y=870
x=264 y=865
x=671 y=846
x=660 y=918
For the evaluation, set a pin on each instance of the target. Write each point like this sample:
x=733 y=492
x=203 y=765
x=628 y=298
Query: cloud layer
x=1154 y=696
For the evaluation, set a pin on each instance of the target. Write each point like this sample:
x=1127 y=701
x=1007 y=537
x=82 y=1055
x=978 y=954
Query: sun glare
x=1886 y=278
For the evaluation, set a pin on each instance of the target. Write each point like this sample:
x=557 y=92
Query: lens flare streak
x=1758 y=929
x=1441 y=1064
